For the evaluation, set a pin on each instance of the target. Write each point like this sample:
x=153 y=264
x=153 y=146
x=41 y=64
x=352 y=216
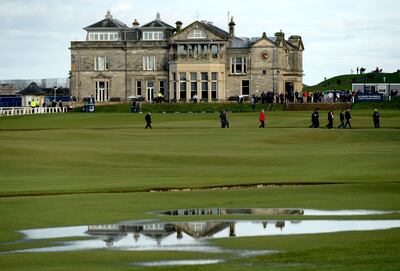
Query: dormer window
x=104 y=36
x=197 y=34
x=153 y=35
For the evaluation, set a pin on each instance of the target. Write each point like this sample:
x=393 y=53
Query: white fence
x=16 y=111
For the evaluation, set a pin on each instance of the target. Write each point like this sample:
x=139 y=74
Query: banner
x=367 y=97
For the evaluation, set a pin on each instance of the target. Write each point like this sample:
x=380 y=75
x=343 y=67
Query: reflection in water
x=267 y=211
x=189 y=236
x=180 y=262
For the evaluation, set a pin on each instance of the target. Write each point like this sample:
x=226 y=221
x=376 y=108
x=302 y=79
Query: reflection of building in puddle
x=232 y=211
x=111 y=234
x=157 y=231
x=278 y=224
x=186 y=236
x=204 y=229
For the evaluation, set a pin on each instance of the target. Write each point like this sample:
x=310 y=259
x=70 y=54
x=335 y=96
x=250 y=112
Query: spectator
x=375 y=118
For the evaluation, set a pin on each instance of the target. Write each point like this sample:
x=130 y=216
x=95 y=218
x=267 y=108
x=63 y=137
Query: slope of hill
x=343 y=82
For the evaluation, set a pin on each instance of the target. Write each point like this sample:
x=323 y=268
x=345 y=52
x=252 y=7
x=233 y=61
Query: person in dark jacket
x=341 y=119
x=226 y=119
x=315 y=119
x=330 y=120
x=222 y=117
x=375 y=118
x=148 y=121
x=347 y=116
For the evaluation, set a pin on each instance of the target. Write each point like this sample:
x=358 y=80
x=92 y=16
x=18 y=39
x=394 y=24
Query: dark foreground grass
x=370 y=251
x=105 y=152
x=302 y=252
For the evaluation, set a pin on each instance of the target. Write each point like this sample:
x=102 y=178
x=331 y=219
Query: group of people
x=345 y=117
x=36 y=103
x=268 y=97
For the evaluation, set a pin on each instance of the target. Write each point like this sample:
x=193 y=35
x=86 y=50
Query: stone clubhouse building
x=117 y=61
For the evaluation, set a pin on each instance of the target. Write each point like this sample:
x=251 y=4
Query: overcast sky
x=338 y=35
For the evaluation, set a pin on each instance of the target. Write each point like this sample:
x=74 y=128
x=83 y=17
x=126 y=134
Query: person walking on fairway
x=226 y=119
x=347 y=116
x=148 y=121
x=375 y=117
x=341 y=119
x=330 y=120
x=262 y=119
x=315 y=119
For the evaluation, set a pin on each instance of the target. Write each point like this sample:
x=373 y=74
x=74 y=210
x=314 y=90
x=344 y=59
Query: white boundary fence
x=17 y=111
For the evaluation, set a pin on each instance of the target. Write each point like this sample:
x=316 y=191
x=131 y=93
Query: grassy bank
x=345 y=81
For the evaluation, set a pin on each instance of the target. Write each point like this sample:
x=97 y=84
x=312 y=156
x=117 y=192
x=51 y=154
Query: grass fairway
x=80 y=169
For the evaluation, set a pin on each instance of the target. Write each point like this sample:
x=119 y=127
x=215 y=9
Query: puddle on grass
x=180 y=262
x=268 y=211
x=188 y=236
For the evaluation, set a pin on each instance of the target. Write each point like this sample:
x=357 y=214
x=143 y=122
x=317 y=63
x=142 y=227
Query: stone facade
x=117 y=62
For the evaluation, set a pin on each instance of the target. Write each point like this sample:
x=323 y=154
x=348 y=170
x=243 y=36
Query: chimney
x=280 y=35
x=108 y=15
x=294 y=39
x=231 y=28
x=178 y=26
x=135 y=23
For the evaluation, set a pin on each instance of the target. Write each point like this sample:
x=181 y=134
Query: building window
x=149 y=63
x=264 y=72
x=162 y=87
x=150 y=90
x=193 y=84
x=245 y=87
x=204 y=85
x=174 y=83
x=100 y=63
x=197 y=34
x=238 y=65
x=100 y=36
x=101 y=91
x=153 y=35
x=214 y=85
x=182 y=77
x=139 y=88
x=214 y=51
